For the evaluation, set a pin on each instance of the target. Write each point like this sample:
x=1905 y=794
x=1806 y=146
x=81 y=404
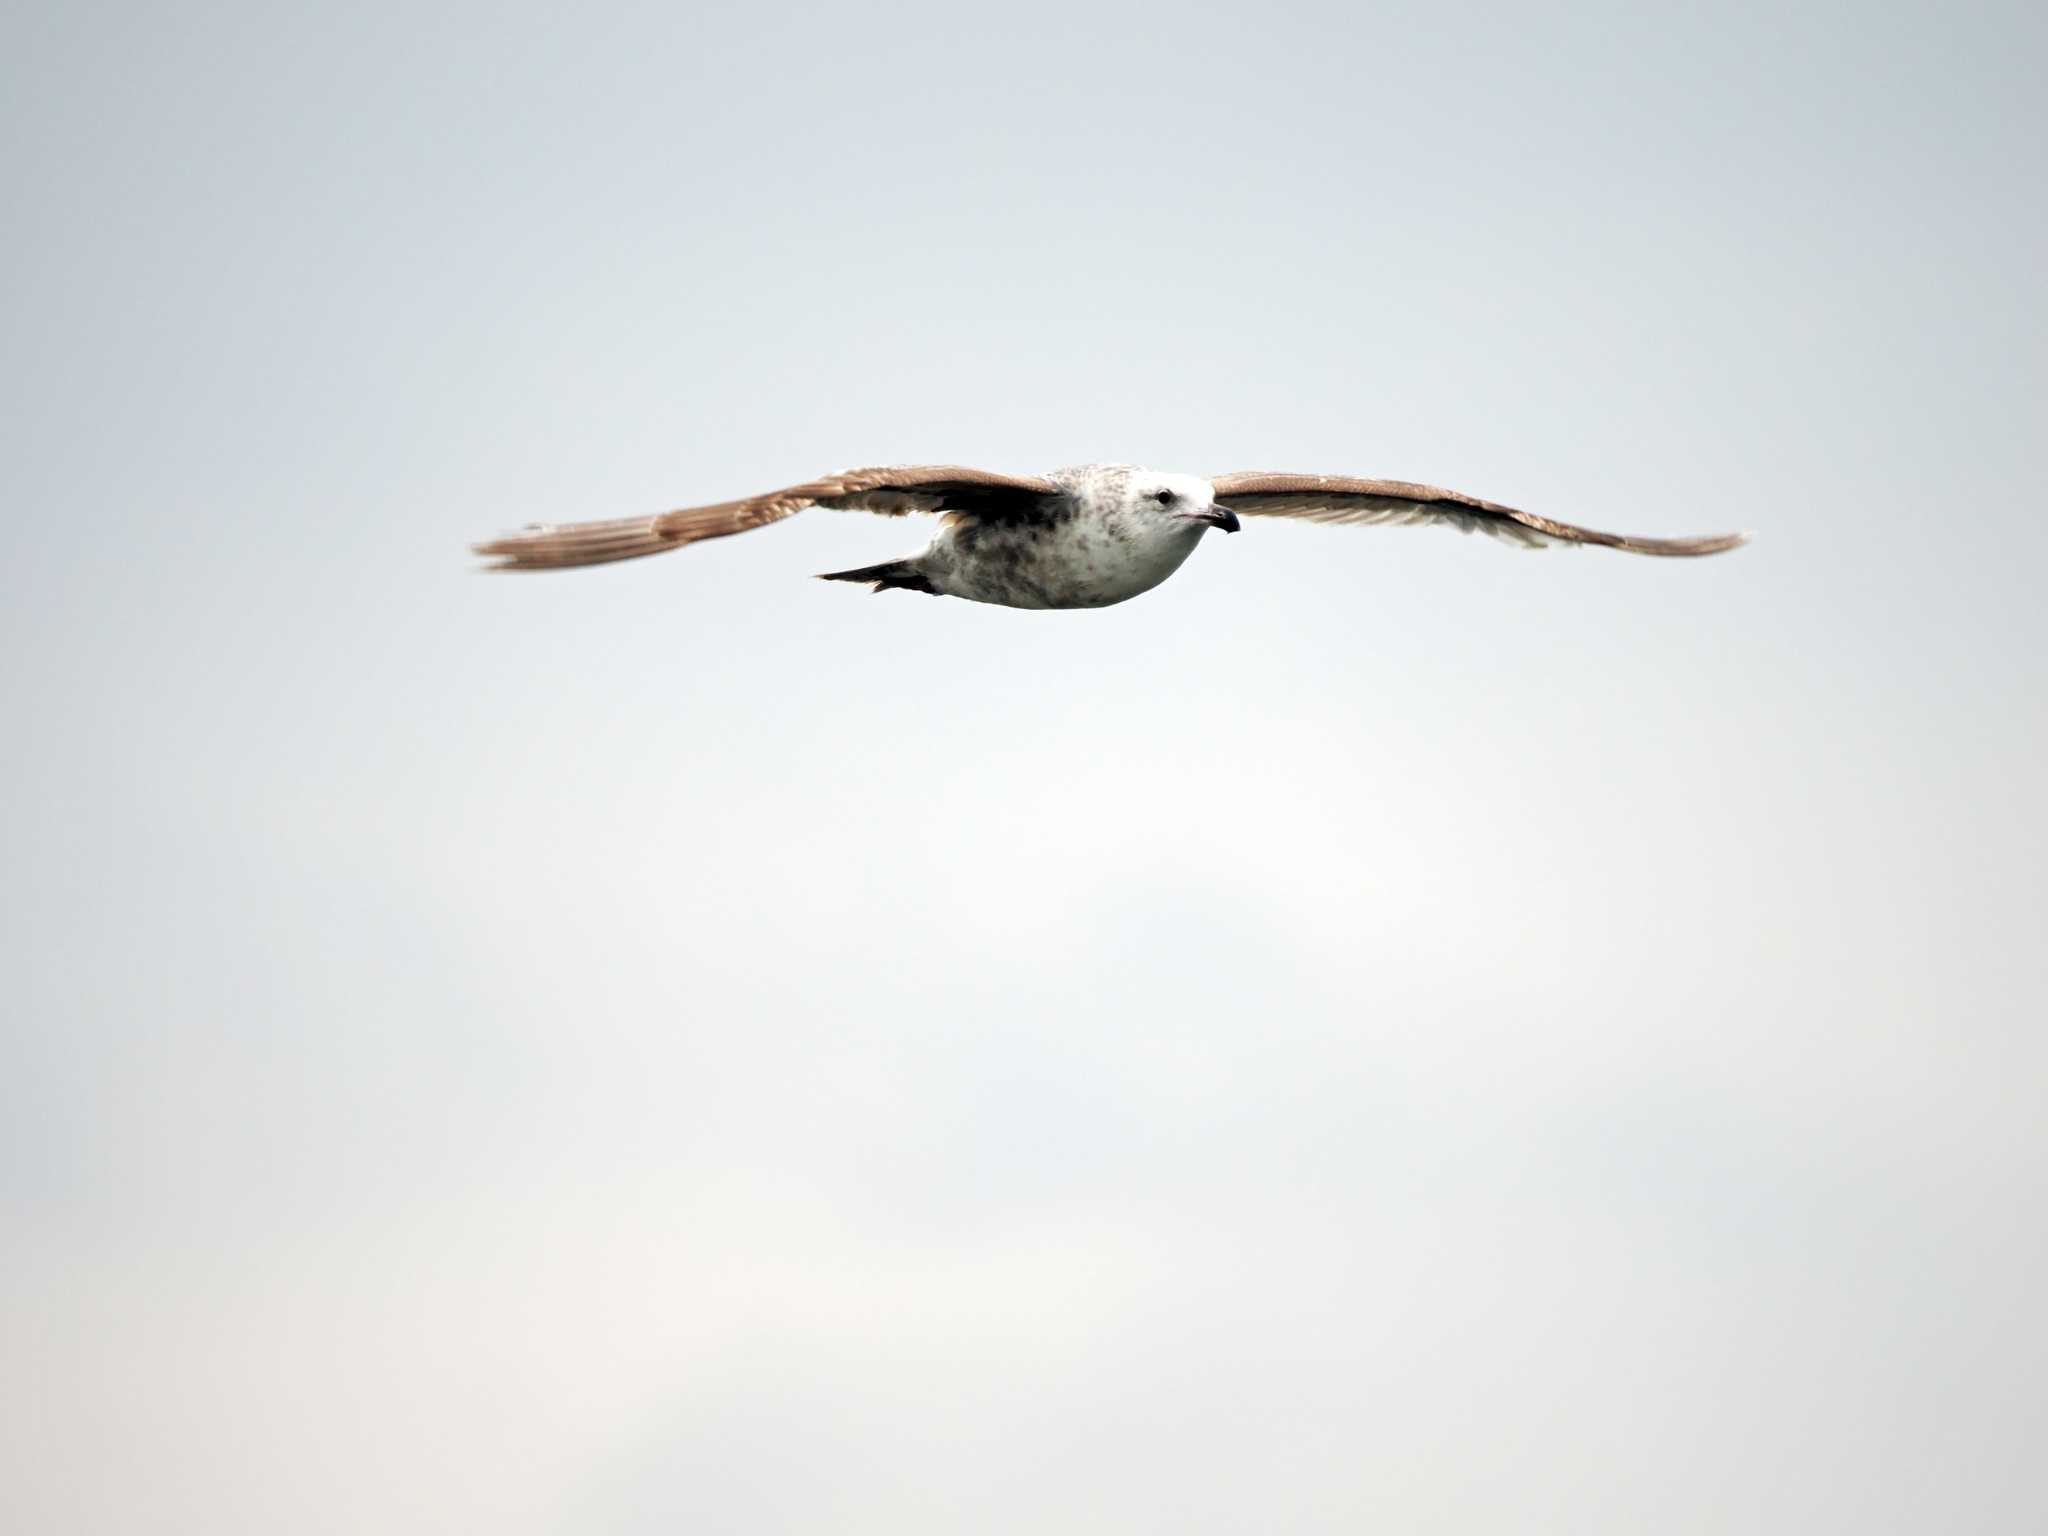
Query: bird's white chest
x=1081 y=561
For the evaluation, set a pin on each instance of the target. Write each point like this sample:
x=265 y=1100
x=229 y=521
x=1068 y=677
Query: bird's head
x=1177 y=500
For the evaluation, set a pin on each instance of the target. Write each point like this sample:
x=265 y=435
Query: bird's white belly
x=1078 y=563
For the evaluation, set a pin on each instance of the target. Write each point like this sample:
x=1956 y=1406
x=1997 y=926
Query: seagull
x=1077 y=538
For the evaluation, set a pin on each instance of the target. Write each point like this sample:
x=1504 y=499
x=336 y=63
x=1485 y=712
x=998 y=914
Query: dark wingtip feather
x=1710 y=544
x=549 y=547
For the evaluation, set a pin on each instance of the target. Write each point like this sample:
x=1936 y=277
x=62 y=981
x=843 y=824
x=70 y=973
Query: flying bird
x=1076 y=538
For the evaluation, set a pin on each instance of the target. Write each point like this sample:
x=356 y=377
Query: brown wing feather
x=1345 y=499
x=887 y=490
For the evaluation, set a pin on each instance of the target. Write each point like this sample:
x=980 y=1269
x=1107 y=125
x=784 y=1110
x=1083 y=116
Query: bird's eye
x=1164 y=498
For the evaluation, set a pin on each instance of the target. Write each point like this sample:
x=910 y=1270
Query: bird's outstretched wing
x=893 y=491
x=1342 y=499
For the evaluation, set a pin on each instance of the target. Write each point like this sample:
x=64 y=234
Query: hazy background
x=1387 y=1032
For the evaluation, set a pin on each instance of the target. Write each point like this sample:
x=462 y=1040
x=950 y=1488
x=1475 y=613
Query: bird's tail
x=549 y=546
x=891 y=573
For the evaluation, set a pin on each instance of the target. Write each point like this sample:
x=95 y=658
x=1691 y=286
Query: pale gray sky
x=1384 y=1032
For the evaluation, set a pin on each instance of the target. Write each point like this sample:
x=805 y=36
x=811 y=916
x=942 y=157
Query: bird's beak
x=1220 y=517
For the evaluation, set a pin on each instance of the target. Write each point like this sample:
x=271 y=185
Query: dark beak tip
x=1227 y=520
